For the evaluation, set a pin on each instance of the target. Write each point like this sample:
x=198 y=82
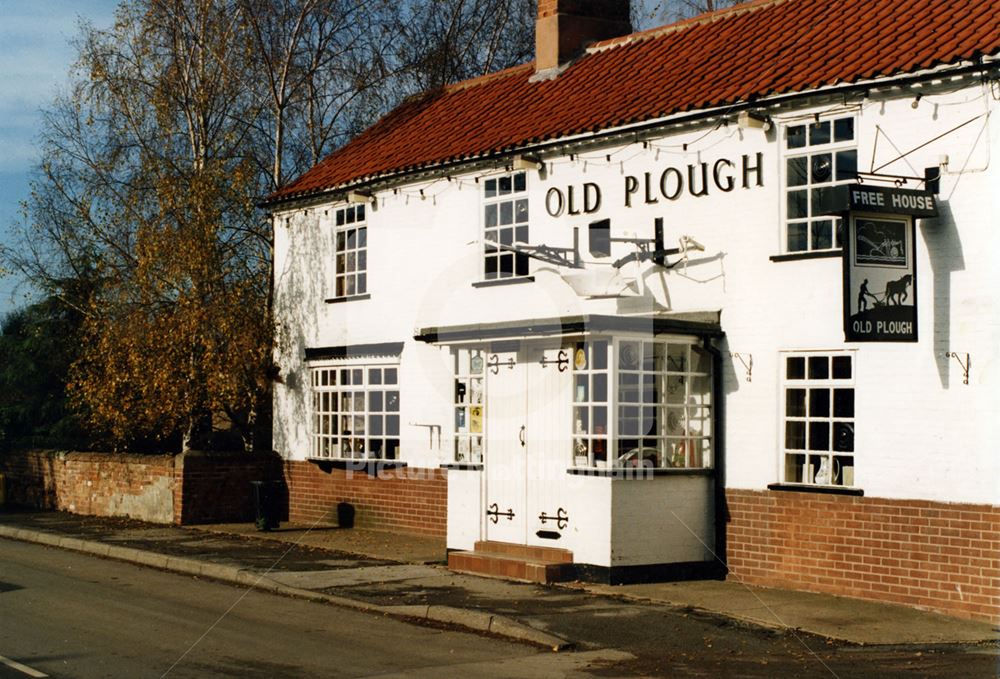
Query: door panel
x=548 y=427
x=506 y=448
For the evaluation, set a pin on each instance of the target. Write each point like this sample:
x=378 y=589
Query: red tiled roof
x=752 y=50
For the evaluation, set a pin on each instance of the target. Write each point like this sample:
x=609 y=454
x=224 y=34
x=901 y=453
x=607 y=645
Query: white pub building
x=715 y=299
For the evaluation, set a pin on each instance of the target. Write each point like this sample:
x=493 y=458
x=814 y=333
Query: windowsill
x=504 y=281
x=372 y=466
x=351 y=298
x=639 y=473
x=822 y=490
x=464 y=466
x=816 y=254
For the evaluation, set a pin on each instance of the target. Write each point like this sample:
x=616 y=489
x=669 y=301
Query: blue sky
x=35 y=59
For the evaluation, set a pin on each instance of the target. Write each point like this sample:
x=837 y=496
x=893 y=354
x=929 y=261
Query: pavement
x=404 y=576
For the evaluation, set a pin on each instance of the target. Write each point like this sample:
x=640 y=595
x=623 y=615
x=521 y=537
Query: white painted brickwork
x=920 y=432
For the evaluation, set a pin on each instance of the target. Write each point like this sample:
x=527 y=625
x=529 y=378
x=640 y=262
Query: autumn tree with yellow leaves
x=178 y=119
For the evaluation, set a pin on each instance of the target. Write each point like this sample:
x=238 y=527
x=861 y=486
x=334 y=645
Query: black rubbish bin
x=345 y=515
x=265 y=504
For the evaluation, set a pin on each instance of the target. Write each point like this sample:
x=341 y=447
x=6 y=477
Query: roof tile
x=726 y=57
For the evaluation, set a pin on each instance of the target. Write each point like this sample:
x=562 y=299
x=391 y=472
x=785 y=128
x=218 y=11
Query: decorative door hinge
x=561 y=518
x=561 y=360
x=494 y=363
x=494 y=513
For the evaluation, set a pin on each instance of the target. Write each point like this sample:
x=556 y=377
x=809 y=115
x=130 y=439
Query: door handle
x=520 y=436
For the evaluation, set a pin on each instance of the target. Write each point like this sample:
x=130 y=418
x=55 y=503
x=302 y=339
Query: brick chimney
x=564 y=28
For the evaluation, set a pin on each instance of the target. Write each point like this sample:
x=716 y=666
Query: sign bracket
x=966 y=366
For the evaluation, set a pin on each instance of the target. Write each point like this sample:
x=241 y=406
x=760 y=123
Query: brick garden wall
x=97 y=484
x=939 y=556
x=408 y=500
x=216 y=487
x=193 y=488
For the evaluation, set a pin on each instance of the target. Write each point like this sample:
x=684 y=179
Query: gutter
x=563 y=145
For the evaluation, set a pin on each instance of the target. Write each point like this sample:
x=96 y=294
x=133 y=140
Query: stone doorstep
x=535 y=553
x=542 y=565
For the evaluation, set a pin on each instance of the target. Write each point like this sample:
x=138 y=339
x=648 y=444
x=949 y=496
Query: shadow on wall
x=944 y=248
x=302 y=284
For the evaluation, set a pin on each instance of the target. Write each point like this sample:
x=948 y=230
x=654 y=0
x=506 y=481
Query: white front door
x=527 y=444
x=506 y=447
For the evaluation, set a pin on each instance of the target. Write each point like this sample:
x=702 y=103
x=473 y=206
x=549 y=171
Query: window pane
x=506 y=265
x=506 y=213
x=797 y=171
x=843 y=403
x=521 y=211
x=821 y=167
x=628 y=356
x=375 y=401
x=392 y=425
x=819 y=133
x=795 y=435
x=491 y=188
x=375 y=425
x=819 y=403
x=819 y=436
x=822 y=235
x=491 y=216
x=796 y=136
x=795 y=368
x=795 y=402
x=798 y=236
x=847 y=165
x=843 y=437
x=600 y=355
x=798 y=204
x=600 y=387
x=503 y=186
x=519 y=181
x=843 y=129
x=841 y=367
x=392 y=401
x=819 y=368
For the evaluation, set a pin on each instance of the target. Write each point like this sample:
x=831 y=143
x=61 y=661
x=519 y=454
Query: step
x=528 y=552
x=510 y=567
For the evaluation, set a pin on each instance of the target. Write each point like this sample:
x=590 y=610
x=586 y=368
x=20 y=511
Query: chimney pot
x=564 y=28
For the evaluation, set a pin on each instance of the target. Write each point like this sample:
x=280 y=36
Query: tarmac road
x=70 y=615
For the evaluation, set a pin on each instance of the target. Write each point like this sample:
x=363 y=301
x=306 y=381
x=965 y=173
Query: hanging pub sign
x=880 y=270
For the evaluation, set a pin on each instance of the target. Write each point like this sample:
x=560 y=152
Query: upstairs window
x=351 y=249
x=818 y=156
x=505 y=222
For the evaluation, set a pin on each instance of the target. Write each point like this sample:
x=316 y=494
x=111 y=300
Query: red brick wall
x=215 y=487
x=193 y=488
x=409 y=500
x=97 y=484
x=944 y=557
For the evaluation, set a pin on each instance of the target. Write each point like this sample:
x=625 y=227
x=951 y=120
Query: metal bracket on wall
x=494 y=363
x=966 y=366
x=431 y=428
x=747 y=363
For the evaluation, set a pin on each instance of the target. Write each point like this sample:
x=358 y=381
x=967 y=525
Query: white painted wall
x=666 y=519
x=920 y=433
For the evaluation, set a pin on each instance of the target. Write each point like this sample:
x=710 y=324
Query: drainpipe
x=718 y=428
